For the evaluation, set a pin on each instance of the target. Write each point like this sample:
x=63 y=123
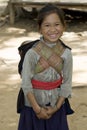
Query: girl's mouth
x=53 y=36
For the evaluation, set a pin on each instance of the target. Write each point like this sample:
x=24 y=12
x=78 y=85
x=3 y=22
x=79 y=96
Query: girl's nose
x=52 y=28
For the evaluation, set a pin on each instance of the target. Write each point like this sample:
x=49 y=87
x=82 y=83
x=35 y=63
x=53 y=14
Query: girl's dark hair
x=48 y=9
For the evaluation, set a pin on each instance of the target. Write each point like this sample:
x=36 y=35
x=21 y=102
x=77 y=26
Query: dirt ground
x=10 y=38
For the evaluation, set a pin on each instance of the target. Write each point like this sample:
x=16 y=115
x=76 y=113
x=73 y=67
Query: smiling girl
x=47 y=75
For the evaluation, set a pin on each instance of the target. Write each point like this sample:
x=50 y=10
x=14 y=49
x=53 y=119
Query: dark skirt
x=29 y=121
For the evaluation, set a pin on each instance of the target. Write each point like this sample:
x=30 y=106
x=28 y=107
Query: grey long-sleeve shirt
x=43 y=97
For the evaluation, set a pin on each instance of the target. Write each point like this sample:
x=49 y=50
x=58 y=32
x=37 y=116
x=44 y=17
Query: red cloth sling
x=46 y=85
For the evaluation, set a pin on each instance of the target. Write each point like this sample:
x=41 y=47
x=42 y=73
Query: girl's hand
x=43 y=114
x=51 y=110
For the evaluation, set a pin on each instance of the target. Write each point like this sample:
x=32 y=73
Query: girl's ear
x=40 y=31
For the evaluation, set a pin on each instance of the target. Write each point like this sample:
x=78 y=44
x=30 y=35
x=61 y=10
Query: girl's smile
x=51 y=28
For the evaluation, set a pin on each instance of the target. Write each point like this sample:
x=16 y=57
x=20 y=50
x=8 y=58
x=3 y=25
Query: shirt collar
x=48 y=44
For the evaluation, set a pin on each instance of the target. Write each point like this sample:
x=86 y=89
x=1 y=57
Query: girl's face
x=51 y=28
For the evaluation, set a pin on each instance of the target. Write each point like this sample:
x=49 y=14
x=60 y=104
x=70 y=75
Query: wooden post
x=11 y=12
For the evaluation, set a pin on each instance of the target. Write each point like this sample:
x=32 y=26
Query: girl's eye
x=46 y=25
x=57 y=24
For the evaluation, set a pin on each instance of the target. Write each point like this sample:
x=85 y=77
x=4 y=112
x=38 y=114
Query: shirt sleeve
x=28 y=71
x=66 y=87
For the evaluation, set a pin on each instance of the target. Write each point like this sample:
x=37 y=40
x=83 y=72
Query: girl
x=47 y=75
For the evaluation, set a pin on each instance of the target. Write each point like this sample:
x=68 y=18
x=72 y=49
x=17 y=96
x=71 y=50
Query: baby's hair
x=48 y=9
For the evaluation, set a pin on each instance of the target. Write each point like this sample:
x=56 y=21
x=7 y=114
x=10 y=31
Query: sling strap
x=49 y=57
x=46 y=85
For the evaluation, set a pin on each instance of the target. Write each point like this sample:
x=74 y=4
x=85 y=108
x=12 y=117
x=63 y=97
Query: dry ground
x=10 y=38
